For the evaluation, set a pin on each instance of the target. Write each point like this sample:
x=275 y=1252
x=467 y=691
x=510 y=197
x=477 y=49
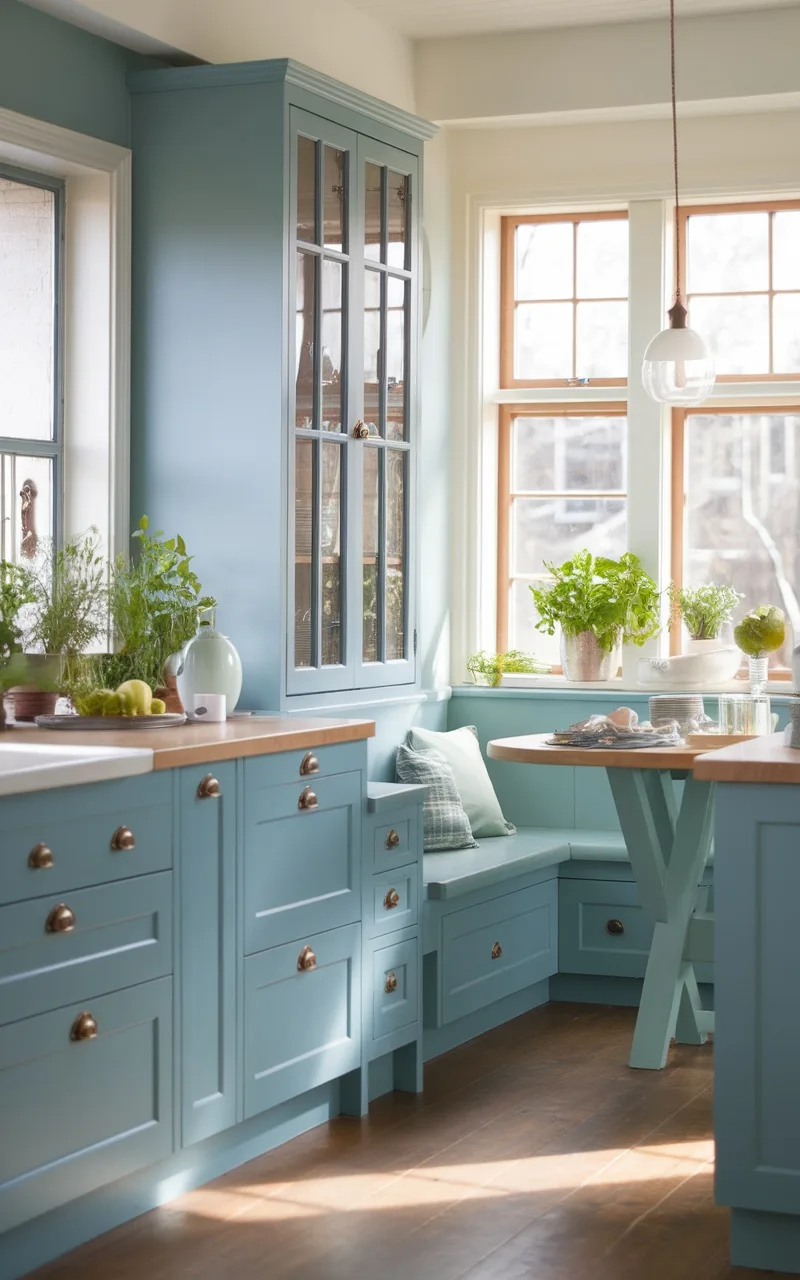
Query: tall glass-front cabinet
x=276 y=316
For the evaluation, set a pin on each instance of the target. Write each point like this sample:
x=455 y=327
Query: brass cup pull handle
x=390 y=984
x=360 y=431
x=61 y=919
x=392 y=840
x=306 y=960
x=391 y=900
x=497 y=951
x=123 y=840
x=209 y=788
x=84 y=1027
x=40 y=857
x=615 y=927
x=309 y=764
x=307 y=799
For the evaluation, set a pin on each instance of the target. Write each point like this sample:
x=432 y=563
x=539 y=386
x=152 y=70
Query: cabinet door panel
x=208 y=952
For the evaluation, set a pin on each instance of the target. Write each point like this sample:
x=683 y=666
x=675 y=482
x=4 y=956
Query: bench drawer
x=498 y=947
x=77 y=1114
x=302 y=1024
x=55 y=950
x=394 y=844
x=393 y=900
x=302 y=865
x=306 y=765
x=603 y=929
x=395 y=987
x=62 y=840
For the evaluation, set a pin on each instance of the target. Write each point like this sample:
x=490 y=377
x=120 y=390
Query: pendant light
x=678 y=367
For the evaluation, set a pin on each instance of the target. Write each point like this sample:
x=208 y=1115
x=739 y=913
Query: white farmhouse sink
x=29 y=767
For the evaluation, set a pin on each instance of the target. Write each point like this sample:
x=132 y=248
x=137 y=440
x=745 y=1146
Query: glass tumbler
x=745 y=713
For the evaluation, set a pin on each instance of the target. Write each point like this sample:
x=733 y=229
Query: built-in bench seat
x=500 y=858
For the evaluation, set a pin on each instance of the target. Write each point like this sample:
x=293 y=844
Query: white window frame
x=95 y=477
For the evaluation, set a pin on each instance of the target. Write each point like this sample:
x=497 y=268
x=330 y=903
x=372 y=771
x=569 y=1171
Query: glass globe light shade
x=678 y=367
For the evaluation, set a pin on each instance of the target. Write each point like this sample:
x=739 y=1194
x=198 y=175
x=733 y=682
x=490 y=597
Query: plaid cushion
x=445 y=823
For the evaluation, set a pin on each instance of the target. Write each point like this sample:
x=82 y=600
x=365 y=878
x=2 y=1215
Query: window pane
x=742 y=480
x=371 y=562
x=303 y=558
x=543 y=340
x=27 y=286
x=330 y=536
x=334 y=190
x=306 y=189
x=397 y=296
x=304 y=340
x=544 y=260
x=522 y=633
x=372 y=212
x=786 y=249
x=395 y=554
x=559 y=454
x=736 y=329
x=553 y=529
x=372 y=353
x=602 y=340
x=786 y=333
x=603 y=259
x=728 y=252
x=26 y=494
x=398 y=246
x=332 y=345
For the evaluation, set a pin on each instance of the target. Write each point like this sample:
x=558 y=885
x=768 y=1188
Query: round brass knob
x=61 y=919
x=209 y=788
x=306 y=960
x=497 y=951
x=360 y=431
x=122 y=840
x=615 y=928
x=84 y=1027
x=309 y=764
x=392 y=840
x=40 y=857
x=390 y=984
x=307 y=799
x=391 y=900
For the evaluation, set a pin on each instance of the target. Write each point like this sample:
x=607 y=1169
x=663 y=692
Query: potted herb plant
x=705 y=611
x=489 y=668
x=599 y=604
x=16 y=591
x=759 y=634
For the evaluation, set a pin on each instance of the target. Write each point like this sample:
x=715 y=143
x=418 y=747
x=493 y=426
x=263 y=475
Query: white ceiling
x=421 y=18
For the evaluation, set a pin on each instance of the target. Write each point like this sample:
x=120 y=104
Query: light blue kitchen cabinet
x=207 y=805
x=275 y=362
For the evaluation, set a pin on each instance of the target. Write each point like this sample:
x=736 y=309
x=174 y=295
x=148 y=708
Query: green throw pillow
x=462 y=751
x=445 y=824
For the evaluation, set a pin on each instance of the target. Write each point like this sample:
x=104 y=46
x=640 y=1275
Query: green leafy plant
x=69 y=590
x=761 y=631
x=491 y=666
x=705 y=610
x=16 y=591
x=155 y=603
x=614 y=599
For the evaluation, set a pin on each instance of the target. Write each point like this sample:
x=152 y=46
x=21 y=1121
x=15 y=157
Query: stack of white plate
x=683 y=707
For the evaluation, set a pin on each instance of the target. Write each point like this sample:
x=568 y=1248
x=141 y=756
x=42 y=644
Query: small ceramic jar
x=209 y=664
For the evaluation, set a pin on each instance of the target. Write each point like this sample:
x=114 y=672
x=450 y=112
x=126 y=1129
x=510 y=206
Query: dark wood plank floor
x=534 y=1154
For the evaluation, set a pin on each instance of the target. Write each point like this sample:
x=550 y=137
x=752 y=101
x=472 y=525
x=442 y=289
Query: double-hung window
x=31 y=223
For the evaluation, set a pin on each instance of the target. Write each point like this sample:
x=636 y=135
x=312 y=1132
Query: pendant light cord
x=675 y=149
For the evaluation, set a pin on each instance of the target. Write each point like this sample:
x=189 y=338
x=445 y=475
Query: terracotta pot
x=29 y=702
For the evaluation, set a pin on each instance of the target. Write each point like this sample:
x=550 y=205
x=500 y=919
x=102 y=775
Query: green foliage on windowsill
x=492 y=666
x=614 y=599
x=705 y=610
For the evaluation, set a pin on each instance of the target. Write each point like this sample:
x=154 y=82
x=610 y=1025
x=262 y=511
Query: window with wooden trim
x=742 y=280
x=562 y=487
x=564 y=300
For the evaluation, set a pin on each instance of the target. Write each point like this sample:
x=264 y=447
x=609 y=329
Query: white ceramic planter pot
x=703 y=646
x=582 y=659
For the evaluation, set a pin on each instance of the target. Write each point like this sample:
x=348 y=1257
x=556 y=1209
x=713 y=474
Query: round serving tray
x=170 y=720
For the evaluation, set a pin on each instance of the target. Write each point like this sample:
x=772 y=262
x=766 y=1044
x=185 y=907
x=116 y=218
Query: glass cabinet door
x=384 y=593
x=324 y=160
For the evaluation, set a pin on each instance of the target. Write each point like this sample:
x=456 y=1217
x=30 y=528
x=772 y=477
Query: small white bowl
x=691 y=670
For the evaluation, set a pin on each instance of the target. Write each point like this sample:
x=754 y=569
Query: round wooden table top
x=534 y=749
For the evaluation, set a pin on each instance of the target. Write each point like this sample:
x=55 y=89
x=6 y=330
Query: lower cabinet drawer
x=77 y=1113
x=58 y=949
x=498 y=947
x=392 y=902
x=395 y=989
x=603 y=929
x=393 y=844
x=302 y=1016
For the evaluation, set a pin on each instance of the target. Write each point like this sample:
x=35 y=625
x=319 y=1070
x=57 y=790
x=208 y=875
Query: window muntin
x=564 y=300
x=31 y=219
x=742 y=280
x=562 y=486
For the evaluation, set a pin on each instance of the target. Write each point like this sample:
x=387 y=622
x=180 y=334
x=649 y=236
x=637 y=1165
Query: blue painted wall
x=53 y=71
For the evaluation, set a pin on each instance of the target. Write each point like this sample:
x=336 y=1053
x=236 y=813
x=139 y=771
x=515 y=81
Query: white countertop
x=31 y=767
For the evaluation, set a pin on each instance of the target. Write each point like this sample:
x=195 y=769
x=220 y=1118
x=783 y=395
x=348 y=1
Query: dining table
x=668 y=833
